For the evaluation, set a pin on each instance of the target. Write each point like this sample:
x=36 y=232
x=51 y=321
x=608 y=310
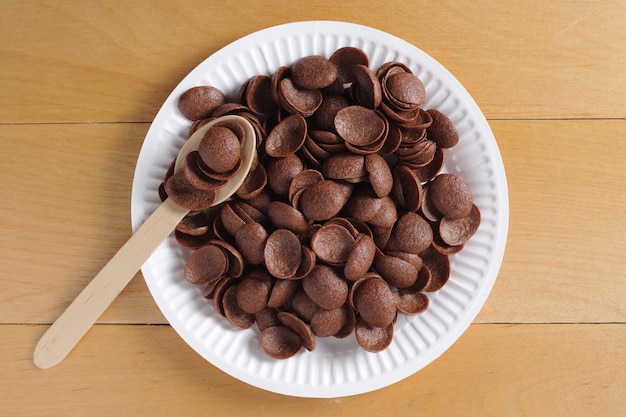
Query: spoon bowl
x=88 y=306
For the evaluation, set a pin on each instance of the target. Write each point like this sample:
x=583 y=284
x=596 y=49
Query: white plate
x=336 y=367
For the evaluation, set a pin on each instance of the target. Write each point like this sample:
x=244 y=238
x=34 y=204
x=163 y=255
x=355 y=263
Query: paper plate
x=337 y=367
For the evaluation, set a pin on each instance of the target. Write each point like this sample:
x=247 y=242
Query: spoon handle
x=88 y=306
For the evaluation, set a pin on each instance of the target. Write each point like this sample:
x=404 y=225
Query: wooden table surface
x=80 y=82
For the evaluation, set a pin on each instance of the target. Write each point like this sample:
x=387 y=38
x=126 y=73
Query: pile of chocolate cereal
x=345 y=219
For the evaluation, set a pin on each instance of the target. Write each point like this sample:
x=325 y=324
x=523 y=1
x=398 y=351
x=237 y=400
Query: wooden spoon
x=89 y=305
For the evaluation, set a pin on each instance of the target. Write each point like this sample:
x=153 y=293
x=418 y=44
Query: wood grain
x=566 y=237
x=81 y=81
x=563 y=256
x=493 y=370
x=66 y=212
x=118 y=61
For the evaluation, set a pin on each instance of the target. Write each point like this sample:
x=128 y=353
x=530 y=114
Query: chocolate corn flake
x=344 y=221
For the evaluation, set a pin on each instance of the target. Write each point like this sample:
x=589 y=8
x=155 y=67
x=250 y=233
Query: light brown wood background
x=80 y=82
